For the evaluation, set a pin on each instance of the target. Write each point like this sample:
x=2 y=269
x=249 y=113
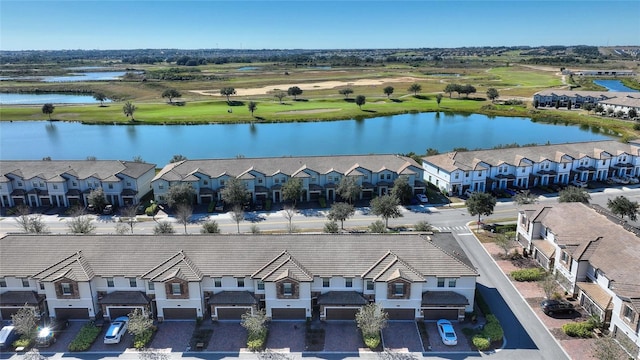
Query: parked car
x=219 y=206
x=8 y=335
x=551 y=307
x=489 y=227
x=578 y=183
x=91 y=208
x=447 y=333
x=108 y=210
x=259 y=205
x=116 y=330
x=422 y=198
x=468 y=192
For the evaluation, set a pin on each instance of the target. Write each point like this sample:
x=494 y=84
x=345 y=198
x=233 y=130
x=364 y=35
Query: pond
x=383 y=135
x=37 y=99
x=74 y=76
x=613 y=85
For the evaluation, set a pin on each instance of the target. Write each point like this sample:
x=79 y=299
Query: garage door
x=234 y=313
x=5 y=313
x=71 y=313
x=341 y=314
x=401 y=314
x=180 y=314
x=288 y=314
x=436 y=314
x=115 y=312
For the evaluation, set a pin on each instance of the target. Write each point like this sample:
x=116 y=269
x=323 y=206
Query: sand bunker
x=322 y=85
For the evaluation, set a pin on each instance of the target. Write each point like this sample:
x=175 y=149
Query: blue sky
x=312 y=24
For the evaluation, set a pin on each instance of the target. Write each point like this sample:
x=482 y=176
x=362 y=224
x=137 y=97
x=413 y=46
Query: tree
x=573 y=194
x=139 y=323
x=431 y=152
x=449 y=89
x=171 y=93
x=237 y=215
x=254 y=323
x=210 y=227
x=280 y=95
x=288 y=213
x=378 y=227
x=632 y=113
x=480 y=203
x=549 y=285
x=569 y=104
x=388 y=91
x=492 y=94
x=423 y=226
x=25 y=322
x=438 y=99
x=252 y=106
x=235 y=192
x=505 y=242
x=348 y=188
x=181 y=194
x=183 y=215
x=467 y=89
x=227 y=91
x=341 y=211
x=331 y=227
x=29 y=223
x=621 y=206
x=525 y=197
x=346 y=92
x=292 y=190
x=536 y=103
x=47 y=109
x=588 y=107
x=177 y=158
x=129 y=109
x=386 y=206
x=402 y=190
x=360 y=100
x=99 y=96
x=607 y=348
x=128 y=216
x=81 y=224
x=415 y=88
x=294 y=91
x=599 y=108
x=163 y=227
x=371 y=319
x=138 y=159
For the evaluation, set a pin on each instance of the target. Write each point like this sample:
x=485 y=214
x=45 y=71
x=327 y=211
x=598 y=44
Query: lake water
x=392 y=134
x=37 y=99
x=74 y=76
x=613 y=85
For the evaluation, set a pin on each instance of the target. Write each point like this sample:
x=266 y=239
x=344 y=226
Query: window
x=128 y=183
x=276 y=180
x=41 y=286
x=110 y=282
x=348 y=282
x=287 y=289
x=205 y=182
x=25 y=283
x=457 y=176
x=564 y=256
x=260 y=285
x=398 y=289
x=240 y=282
x=217 y=282
x=160 y=186
x=440 y=282
x=74 y=183
x=152 y=286
x=627 y=312
x=133 y=283
x=41 y=184
x=110 y=186
x=325 y=282
x=176 y=289
x=19 y=183
x=3 y=282
x=466 y=174
x=55 y=186
x=35 y=184
x=66 y=288
x=452 y=282
x=388 y=176
x=370 y=285
x=221 y=182
x=479 y=173
x=259 y=181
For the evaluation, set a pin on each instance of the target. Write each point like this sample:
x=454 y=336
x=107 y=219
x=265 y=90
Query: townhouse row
x=526 y=167
x=596 y=260
x=225 y=276
x=615 y=100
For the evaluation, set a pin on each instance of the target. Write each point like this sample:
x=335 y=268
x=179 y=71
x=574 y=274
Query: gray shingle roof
x=233 y=297
x=286 y=165
x=125 y=297
x=342 y=298
x=19 y=298
x=443 y=298
x=82 y=169
x=224 y=255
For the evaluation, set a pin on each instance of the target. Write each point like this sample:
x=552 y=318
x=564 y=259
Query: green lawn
x=515 y=76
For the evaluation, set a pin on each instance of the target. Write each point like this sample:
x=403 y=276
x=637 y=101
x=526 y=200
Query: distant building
x=561 y=98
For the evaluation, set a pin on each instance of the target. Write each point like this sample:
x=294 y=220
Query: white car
x=422 y=198
x=116 y=330
x=578 y=183
x=447 y=334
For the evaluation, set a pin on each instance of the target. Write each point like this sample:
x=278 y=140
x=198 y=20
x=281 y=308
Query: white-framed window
x=110 y=186
x=452 y=282
x=66 y=288
x=55 y=186
x=3 y=282
x=160 y=186
x=441 y=282
x=25 y=283
x=19 y=183
x=217 y=282
x=276 y=180
x=287 y=289
x=564 y=257
x=457 y=176
x=259 y=180
x=133 y=283
x=176 y=289
x=260 y=285
x=627 y=312
x=466 y=174
x=398 y=289
x=41 y=285
x=325 y=282
x=152 y=286
x=348 y=282
x=370 y=285
x=221 y=182
x=205 y=182
x=110 y=282
x=240 y=282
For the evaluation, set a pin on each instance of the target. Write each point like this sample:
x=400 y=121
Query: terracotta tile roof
x=150 y=256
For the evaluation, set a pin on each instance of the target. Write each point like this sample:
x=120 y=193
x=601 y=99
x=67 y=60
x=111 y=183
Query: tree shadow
x=369 y=111
x=235 y=103
x=301 y=100
x=259 y=118
x=350 y=100
x=397 y=100
x=421 y=97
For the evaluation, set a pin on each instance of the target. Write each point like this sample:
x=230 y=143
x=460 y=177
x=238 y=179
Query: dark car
x=108 y=210
x=219 y=206
x=551 y=307
x=49 y=331
x=489 y=227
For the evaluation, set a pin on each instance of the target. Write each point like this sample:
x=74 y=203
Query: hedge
x=481 y=343
x=493 y=329
x=86 y=336
x=151 y=210
x=533 y=274
x=141 y=341
x=256 y=341
x=372 y=341
x=582 y=329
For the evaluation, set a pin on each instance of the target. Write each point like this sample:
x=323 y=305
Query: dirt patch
x=310 y=111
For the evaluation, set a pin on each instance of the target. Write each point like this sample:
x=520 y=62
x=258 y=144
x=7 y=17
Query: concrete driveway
x=64 y=337
x=342 y=336
x=287 y=335
x=402 y=336
x=173 y=335
x=436 y=342
x=227 y=336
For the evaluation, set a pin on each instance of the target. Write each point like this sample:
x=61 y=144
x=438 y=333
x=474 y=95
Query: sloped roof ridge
x=408 y=266
x=284 y=252
x=179 y=253
x=370 y=269
x=389 y=265
x=300 y=266
x=452 y=256
x=192 y=266
x=64 y=263
x=84 y=264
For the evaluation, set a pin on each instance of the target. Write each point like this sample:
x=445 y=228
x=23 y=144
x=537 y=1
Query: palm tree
x=415 y=88
x=129 y=109
x=252 y=106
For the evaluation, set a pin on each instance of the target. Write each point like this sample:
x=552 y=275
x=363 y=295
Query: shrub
x=24 y=342
x=482 y=304
x=151 y=210
x=492 y=329
x=257 y=340
x=267 y=205
x=481 y=343
x=423 y=226
x=331 y=227
x=323 y=202
x=141 y=341
x=86 y=336
x=533 y=274
x=212 y=206
x=372 y=341
x=582 y=329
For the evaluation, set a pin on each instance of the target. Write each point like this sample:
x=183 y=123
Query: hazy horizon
x=313 y=25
